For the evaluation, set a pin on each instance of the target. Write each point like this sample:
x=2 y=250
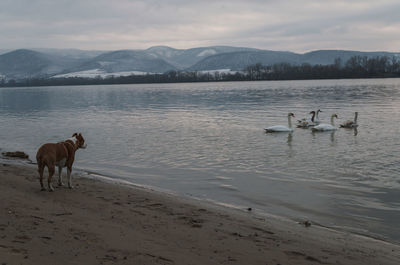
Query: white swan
x=281 y=128
x=349 y=123
x=326 y=127
x=304 y=123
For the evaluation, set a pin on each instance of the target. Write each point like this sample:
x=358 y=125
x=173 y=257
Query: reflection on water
x=333 y=137
x=331 y=133
x=290 y=139
x=207 y=140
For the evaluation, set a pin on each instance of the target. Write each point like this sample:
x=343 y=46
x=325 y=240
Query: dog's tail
x=40 y=161
x=41 y=164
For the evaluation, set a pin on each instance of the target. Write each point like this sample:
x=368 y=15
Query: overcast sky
x=290 y=25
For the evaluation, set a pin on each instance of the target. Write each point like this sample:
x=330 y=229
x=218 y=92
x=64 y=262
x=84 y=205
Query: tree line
x=355 y=67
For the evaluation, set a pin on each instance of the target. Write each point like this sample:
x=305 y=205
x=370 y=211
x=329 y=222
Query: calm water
x=207 y=140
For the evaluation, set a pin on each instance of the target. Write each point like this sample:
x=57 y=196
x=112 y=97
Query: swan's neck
x=313 y=116
x=289 y=118
x=317 y=115
x=355 y=117
x=332 y=120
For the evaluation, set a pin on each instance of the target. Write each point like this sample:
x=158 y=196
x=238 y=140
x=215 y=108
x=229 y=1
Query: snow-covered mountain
x=126 y=60
x=70 y=53
x=25 y=63
x=239 y=60
x=183 y=59
x=328 y=56
x=2 y=51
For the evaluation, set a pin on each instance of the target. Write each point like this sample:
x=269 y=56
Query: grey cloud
x=292 y=25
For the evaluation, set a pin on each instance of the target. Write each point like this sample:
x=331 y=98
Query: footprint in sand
x=300 y=254
x=14 y=250
x=22 y=239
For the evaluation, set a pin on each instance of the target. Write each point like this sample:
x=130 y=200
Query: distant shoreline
x=78 y=81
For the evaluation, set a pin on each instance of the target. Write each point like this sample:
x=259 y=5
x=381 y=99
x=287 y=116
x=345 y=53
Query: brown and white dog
x=60 y=154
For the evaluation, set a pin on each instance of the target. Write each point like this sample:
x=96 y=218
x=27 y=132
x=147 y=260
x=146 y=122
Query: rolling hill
x=23 y=63
x=239 y=60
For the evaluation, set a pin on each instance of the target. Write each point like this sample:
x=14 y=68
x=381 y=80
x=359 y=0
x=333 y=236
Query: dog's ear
x=75 y=134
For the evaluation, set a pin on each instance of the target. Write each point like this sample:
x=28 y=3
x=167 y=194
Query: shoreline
x=109 y=223
x=234 y=208
x=24 y=85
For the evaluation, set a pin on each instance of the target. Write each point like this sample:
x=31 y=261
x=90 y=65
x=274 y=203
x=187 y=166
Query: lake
x=207 y=140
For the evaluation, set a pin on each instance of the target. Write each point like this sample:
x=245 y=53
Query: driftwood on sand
x=16 y=154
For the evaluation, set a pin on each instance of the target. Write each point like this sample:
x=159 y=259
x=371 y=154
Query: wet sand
x=104 y=223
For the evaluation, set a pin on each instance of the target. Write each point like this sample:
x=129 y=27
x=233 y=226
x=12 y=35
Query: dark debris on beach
x=16 y=154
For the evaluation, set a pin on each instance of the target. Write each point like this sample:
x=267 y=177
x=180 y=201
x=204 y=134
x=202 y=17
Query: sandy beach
x=104 y=223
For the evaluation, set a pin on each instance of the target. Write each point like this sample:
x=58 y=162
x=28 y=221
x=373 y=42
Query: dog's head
x=80 y=142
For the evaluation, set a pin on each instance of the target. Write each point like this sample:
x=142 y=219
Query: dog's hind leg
x=60 y=183
x=69 y=177
x=41 y=170
x=51 y=173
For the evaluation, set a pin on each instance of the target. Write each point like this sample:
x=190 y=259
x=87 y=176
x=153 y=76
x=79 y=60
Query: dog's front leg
x=51 y=173
x=60 y=183
x=69 y=178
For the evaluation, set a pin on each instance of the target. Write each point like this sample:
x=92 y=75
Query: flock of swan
x=314 y=123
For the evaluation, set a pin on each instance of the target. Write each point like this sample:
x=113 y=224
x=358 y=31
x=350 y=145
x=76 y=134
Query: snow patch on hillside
x=105 y=63
x=165 y=53
x=221 y=71
x=94 y=73
x=207 y=52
